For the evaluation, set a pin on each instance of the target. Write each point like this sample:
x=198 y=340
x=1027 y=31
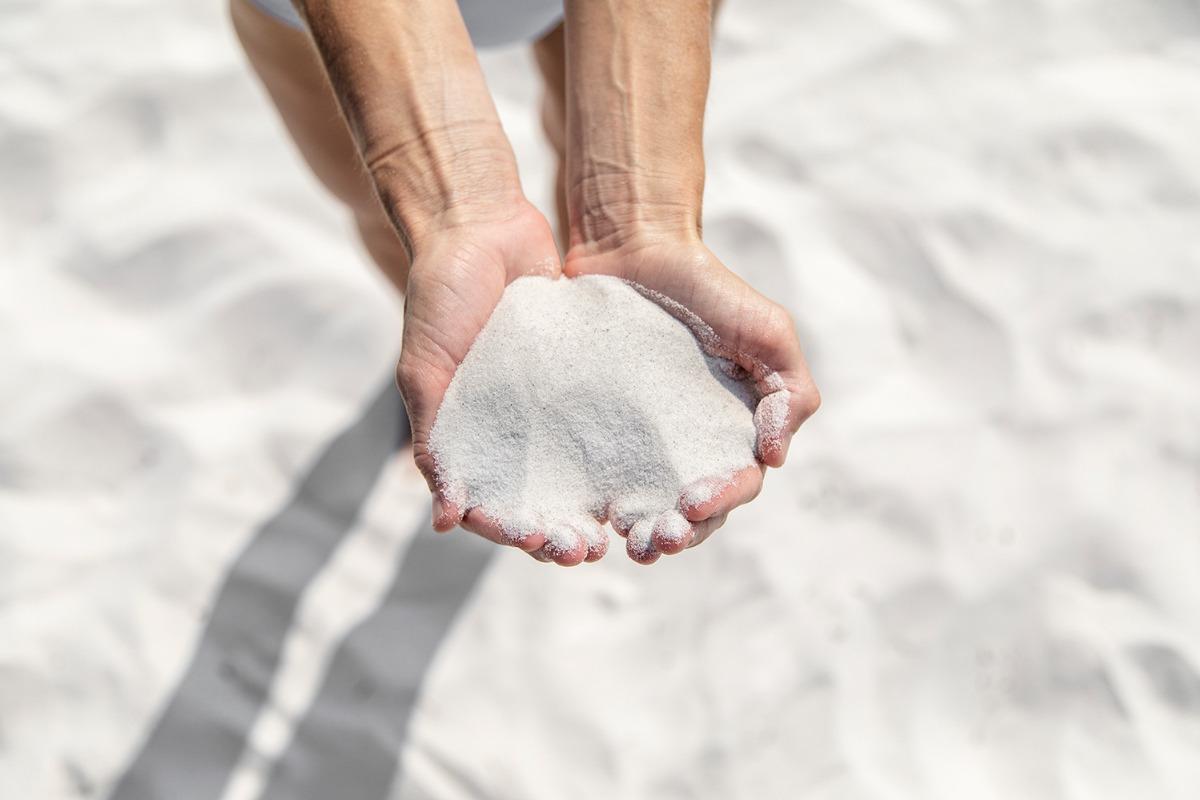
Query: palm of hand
x=456 y=284
x=742 y=326
x=453 y=287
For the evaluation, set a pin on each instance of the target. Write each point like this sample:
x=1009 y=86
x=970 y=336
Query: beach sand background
x=977 y=577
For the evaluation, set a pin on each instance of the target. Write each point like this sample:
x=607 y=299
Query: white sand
x=984 y=572
x=584 y=396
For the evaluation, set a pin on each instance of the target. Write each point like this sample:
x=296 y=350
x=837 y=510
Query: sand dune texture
x=977 y=577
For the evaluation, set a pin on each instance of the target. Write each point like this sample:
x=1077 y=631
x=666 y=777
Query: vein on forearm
x=411 y=90
x=639 y=78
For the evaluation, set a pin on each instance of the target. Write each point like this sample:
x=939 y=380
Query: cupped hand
x=457 y=278
x=734 y=322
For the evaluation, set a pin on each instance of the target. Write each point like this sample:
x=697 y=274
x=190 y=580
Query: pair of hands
x=456 y=280
x=627 y=119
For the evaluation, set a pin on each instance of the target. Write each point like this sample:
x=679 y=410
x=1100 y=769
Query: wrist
x=414 y=99
x=614 y=209
x=443 y=178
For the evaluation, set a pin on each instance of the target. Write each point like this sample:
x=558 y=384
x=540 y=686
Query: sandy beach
x=977 y=577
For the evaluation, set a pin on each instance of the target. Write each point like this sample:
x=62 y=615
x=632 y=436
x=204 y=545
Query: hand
x=457 y=277
x=754 y=333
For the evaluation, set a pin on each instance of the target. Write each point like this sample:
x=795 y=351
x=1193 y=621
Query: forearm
x=413 y=95
x=638 y=75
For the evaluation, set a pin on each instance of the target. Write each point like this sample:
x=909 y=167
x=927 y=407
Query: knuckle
x=809 y=401
x=404 y=373
x=779 y=321
x=409 y=379
x=774 y=330
x=409 y=374
x=425 y=465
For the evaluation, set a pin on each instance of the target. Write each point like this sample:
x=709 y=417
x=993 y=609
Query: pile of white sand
x=584 y=396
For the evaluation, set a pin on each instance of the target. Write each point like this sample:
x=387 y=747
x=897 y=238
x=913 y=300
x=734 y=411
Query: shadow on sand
x=349 y=741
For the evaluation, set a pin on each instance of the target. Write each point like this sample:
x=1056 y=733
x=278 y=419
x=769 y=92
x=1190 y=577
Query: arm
x=635 y=119
x=638 y=74
x=411 y=90
x=414 y=98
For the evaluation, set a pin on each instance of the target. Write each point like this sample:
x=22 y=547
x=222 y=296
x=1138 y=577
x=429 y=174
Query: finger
x=594 y=535
x=429 y=357
x=771 y=427
x=672 y=533
x=445 y=513
x=787 y=399
x=640 y=542
x=777 y=417
x=703 y=530
x=571 y=559
x=446 y=508
x=551 y=555
x=564 y=544
x=715 y=496
x=622 y=517
x=479 y=522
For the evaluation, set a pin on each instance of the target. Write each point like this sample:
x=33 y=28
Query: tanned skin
x=387 y=104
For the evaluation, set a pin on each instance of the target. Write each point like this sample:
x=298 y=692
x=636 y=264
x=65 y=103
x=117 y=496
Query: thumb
x=422 y=387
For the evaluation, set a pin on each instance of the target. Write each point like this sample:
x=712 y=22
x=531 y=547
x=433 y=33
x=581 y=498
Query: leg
x=550 y=53
x=290 y=70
